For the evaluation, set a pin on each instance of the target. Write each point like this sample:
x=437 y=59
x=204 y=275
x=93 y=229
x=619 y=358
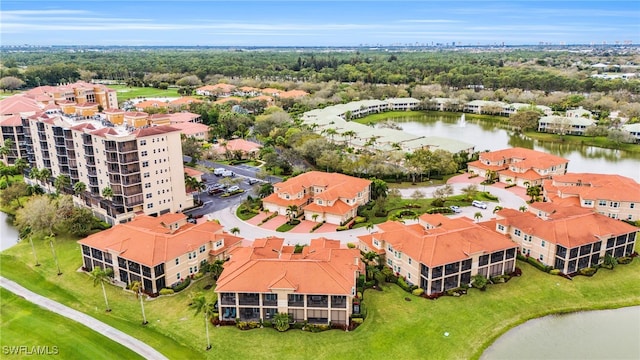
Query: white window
x=602 y=203
x=500 y=227
x=588 y=202
x=517 y=232
x=177 y=261
x=409 y=261
x=149 y=205
x=144 y=153
x=219 y=243
x=543 y=243
x=178 y=276
x=146 y=175
x=145 y=164
x=147 y=185
x=541 y=257
x=632 y=205
x=614 y=204
x=149 y=195
x=202 y=249
x=143 y=142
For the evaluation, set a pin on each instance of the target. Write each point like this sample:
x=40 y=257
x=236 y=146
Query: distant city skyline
x=317 y=23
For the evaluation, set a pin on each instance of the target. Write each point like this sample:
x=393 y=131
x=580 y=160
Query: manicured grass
x=243 y=214
x=127 y=92
x=597 y=141
x=285 y=227
x=26 y=324
x=394 y=327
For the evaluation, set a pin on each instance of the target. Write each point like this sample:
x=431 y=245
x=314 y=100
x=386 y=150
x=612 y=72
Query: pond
x=486 y=135
x=602 y=334
x=8 y=233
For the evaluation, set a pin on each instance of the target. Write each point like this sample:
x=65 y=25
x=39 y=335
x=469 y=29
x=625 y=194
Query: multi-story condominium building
x=439 y=253
x=402 y=104
x=331 y=197
x=484 y=107
x=157 y=251
x=567 y=238
x=520 y=166
x=565 y=125
x=11 y=129
x=317 y=285
x=615 y=196
x=142 y=167
x=77 y=93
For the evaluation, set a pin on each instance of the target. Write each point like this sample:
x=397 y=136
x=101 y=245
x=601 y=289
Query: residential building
x=443 y=104
x=151 y=104
x=185 y=116
x=513 y=108
x=615 y=196
x=292 y=94
x=11 y=129
x=79 y=92
x=317 y=285
x=402 y=104
x=247 y=149
x=439 y=253
x=321 y=196
x=183 y=102
x=484 y=107
x=520 y=166
x=579 y=113
x=156 y=251
x=633 y=129
x=564 y=125
x=220 y=90
x=567 y=238
x=143 y=167
x=195 y=130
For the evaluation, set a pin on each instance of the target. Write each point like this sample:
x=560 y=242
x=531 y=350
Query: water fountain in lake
x=462 y=122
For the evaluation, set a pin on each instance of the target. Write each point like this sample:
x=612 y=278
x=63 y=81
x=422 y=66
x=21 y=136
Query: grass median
x=394 y=326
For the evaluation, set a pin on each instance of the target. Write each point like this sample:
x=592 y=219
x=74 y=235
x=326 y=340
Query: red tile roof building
x=615 y=196
x=157 y=251
x=333 y=197
x=438 y=253
x=568 y=238
x=520 y=166
x=317 y=285
x=248 y=149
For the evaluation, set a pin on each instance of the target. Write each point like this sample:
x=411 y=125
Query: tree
x=216 y=269
x=6 y=171
x=620 y=137
x=79 y=188
x=470 y=192
x=20 y=164
x=524 y=120
x=100 y=277
x=417 y=195
x=477 y=216
x=281 y=321
x=61 y=182
x=533 y=192
x=479 y=281
x=497 y=208
x=51 y=238
x=136 y=287
x=38 y=214
x=379 y=188
x=235 y=230
x=266 y=189
x=369 y=227
x=522 y=208
x=200 y=304
x=189 y=81
x=192 y=148
x=292 y=212
x=10 y=83
x=107 y=193
x=442 y=193
x=43 y=175
x=12 y=193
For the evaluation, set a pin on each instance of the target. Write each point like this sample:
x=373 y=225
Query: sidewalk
x=114 y=334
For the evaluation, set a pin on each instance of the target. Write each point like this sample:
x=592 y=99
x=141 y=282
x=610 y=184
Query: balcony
x=228 y=313
x=249 y=299
x=90 y=160
x=269 y=300
x=250 y=314
x=319 y=301
x=132 y=190
x=128 y=146
x=133 y=201
x=88 y=149
x=339 y=302
x=130 y=169
x=131 y=180
x=228 y=299
x=128 y=158
x=296 y=301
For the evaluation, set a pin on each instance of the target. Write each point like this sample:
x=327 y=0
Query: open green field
x=394 y=327
x=26 y=324
x=127 y=92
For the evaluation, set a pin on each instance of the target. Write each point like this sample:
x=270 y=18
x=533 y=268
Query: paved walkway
x=114 y=334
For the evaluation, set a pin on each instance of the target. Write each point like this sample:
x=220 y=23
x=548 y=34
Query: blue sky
x=316 y=23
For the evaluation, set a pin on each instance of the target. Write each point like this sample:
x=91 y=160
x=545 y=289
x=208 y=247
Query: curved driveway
x=228 y=218
x=112 y=333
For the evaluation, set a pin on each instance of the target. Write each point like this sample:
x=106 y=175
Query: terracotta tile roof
x=219 y=87
x=147 y=240
x=268 y=266
x=189 y=128
x=275 y=199
x=453 y=240
x=339 y=207
x=154 y=130
x=185 y=100
x=293 y=94
x=238 y=144
x=14 y=120
x=227 y=99
x=87 y=105
x=136 y=114
x=335 y=184
x=18 y=104
x=183 y=117
x=151 y=104
x=105 y=131
x=569 y=226
x=368 y=240
x=270 y=91
x=263 y=97
x=192 y=172
x=527 y=175
x=481 y=165
x=527 y=158
x=590 y=186
x=113 y=111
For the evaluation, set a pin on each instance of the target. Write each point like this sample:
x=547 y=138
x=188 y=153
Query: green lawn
x=406 y=330
x=44 y=328
x=127 y=92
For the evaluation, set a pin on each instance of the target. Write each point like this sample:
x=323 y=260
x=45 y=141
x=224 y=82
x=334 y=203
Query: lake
x=602 y=334
x=8 y=234
x=486 y=136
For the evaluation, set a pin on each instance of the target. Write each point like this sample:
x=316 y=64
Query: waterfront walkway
x=112 y=333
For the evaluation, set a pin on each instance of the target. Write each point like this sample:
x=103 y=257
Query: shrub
x=555 y=272
x=316 y=327
x=182 y=285
x=437 y=202
x=356 y=320
x=360 y=219
x=539 y=265
x=418 y=292
x=589 y=271
x=403 y=284
x=369 y=284
x=166 y=291
x=351 y=245
x=267 y=324
x=281 y=321
x=490 y=196
x=316 y=226
x=625 y=260
x=299 y=325
x=247 y=325
x=198 y=275
x=439 y=210
x=509 y=186
x=342 y=228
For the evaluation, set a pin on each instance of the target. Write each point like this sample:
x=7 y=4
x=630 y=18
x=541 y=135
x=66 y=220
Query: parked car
x=233 y=188
x=252 y=181
x=215 y=189
x=219 y=171
x=228 y=173
x=455 y=209
x=479 y=204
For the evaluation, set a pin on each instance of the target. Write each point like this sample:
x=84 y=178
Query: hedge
x=181 y=286
x=166 y=291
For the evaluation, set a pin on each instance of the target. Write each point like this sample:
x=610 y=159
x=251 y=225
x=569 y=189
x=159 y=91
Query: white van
x=479 y=204
x=218 y=171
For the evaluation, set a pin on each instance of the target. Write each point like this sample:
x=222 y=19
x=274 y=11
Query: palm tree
x=369 y=227
x=199 y=186
x=100 y=277
x=609 y=261
x=6 y=171
x=200 y=304
x=20 y=164
x=136 y=287
x=281 y=321
x=61 y=182
x=53 y=251
x=477 y=216
x=79 y=188
x=292 y=211
x=216 y=269
x=235 y=230
x=497 y=208
x=522 y=208
x=43 y=177
x=107 y=193
x=350 y=134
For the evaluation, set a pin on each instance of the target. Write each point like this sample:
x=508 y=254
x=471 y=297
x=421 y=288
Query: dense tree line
x=524 y=69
